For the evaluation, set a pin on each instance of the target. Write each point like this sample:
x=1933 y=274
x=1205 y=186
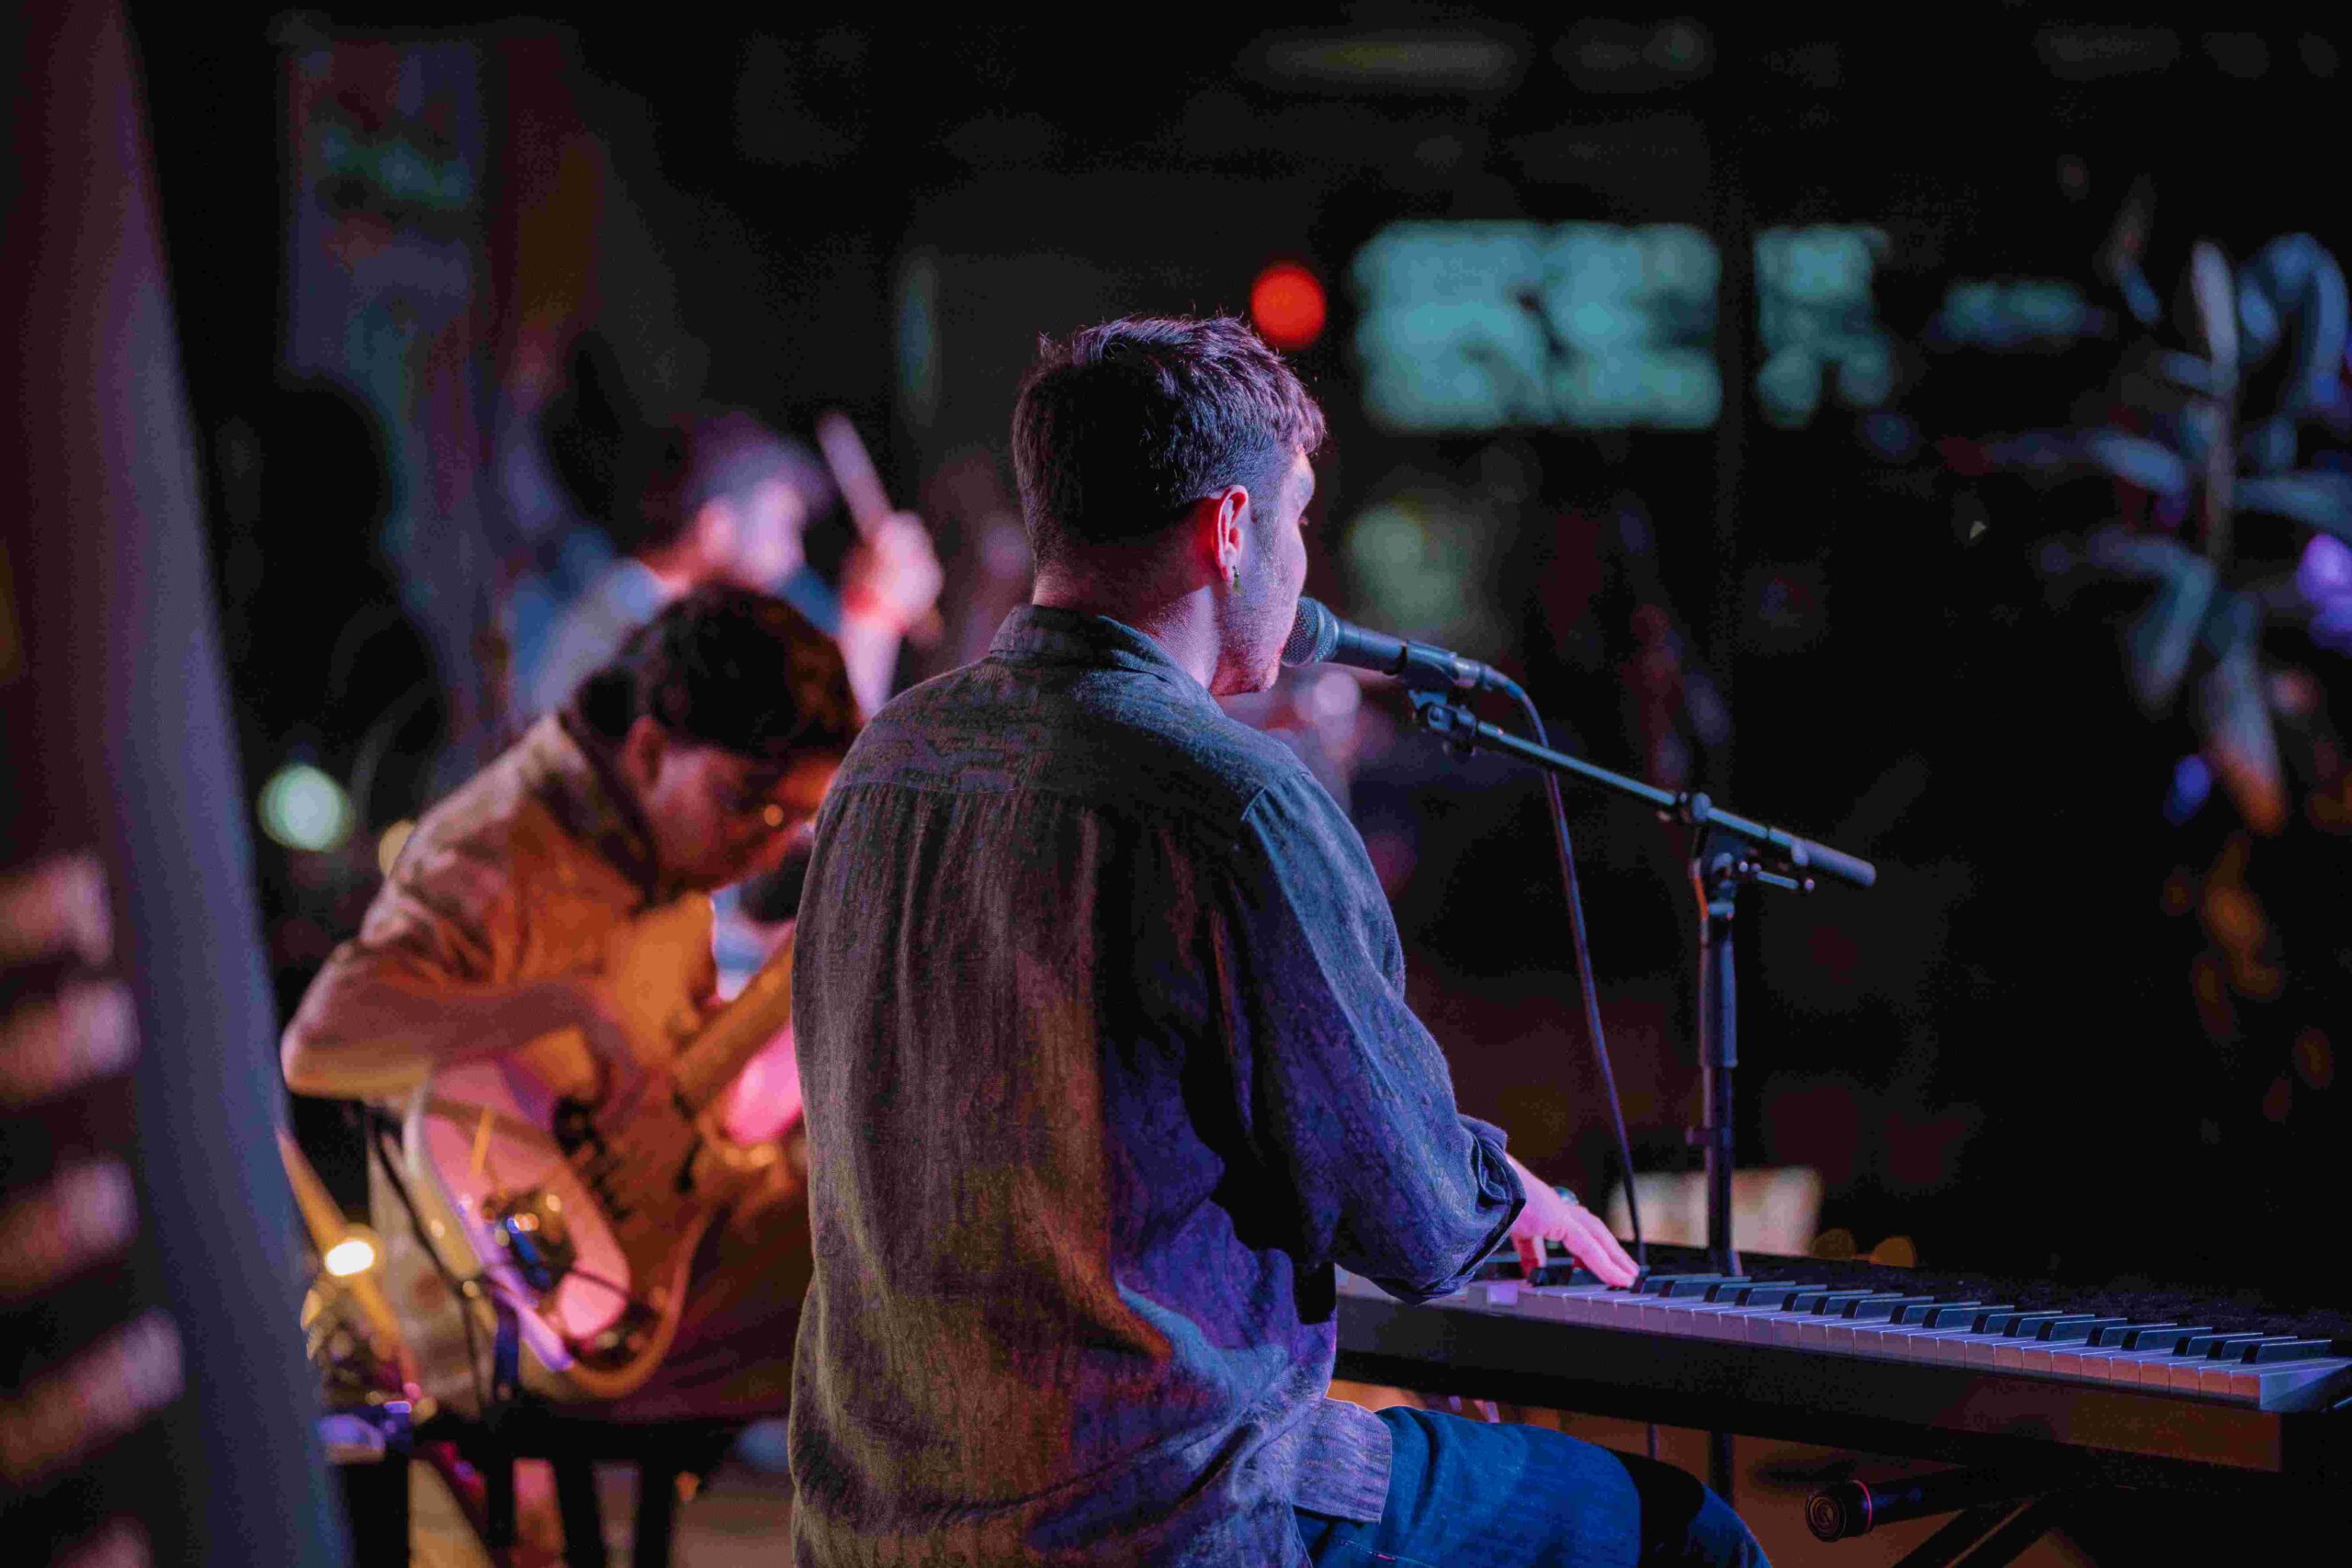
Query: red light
x=1287 y=303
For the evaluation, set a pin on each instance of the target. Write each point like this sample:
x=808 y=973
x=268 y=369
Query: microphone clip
x=1445 y=715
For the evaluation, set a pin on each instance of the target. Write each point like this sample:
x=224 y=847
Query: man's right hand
x=1549 y=1216
x=622 y=1076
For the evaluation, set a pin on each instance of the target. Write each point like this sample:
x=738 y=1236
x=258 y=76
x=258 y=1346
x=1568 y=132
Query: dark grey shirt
x=1107 y=1061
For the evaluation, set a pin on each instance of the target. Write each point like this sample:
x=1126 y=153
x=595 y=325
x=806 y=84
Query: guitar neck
x=737 y=1033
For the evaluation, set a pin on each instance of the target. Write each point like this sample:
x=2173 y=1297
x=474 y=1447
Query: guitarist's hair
x=727 y=667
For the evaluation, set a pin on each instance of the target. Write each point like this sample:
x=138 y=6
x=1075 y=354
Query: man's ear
x=1221 y=520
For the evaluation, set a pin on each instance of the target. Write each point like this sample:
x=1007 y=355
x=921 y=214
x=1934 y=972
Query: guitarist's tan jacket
x=534 y=869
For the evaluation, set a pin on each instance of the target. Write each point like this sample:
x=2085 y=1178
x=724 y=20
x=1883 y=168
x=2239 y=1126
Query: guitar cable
x=379 y=1130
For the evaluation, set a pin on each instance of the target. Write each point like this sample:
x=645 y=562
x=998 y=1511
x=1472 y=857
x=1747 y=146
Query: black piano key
x=2236 y=1347
x=2118 y=1335
x=2030 y=1325
x=2285 y=1347
x=1965 y=1314
x=1764 y=1293
x=1825 y=1301
x=1881 y=1309
x=1923 y=1313
x=2164 y=1339
x=2066 y=1330
x=1564 y=1274
x=2202 y=1344
x=2006 y=1321
x=1663 y=1284
x=1703 y=1289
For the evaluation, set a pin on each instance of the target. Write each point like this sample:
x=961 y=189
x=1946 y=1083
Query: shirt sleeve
x=449 y=921
x=1347 y=1097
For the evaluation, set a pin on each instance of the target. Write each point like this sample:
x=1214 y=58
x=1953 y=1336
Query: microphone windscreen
x=1314 y=635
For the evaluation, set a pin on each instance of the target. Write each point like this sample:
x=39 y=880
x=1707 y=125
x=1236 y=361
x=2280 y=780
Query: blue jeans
x=1475 y=1494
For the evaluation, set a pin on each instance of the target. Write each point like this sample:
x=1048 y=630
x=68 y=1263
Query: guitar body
x=584 y=1223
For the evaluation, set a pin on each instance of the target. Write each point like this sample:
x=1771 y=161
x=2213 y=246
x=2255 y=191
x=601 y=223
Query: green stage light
x=303 y=809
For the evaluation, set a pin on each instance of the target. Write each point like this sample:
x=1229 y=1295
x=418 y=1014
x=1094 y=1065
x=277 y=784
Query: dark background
x=2003 y=1051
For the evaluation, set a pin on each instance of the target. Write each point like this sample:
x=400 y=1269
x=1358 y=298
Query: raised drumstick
x=868 y=503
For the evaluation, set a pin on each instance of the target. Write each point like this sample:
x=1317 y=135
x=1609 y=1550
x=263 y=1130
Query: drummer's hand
x=892 y=577
x=1549 y=1216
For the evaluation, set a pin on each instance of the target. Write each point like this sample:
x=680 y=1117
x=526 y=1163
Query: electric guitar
x=582 y=1221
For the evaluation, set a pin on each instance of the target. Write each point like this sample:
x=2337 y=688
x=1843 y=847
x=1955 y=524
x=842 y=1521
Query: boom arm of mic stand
x=1445 y=716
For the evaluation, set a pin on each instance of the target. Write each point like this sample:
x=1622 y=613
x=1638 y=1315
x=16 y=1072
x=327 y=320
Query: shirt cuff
x=1341 y=1462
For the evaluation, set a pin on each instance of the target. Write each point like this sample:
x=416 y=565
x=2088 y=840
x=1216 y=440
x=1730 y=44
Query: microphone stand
x=1727 y=851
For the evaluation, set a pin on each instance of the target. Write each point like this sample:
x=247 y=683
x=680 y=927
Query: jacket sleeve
x=443 y=931
x=1347 y=1099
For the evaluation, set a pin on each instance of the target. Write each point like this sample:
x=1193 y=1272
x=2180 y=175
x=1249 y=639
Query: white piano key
x=1495 y=1295
x=2076 y=1361
x=2182 y=1376
x=2290 y=1385
x=1716 y=1321
x=1907 y=1342
x=1569 y=1303
x=2149 y=1369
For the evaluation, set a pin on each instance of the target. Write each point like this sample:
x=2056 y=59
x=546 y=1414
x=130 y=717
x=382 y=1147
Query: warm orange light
x=1287 y=304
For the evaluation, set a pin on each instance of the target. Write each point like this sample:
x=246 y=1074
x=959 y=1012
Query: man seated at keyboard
x=1108 y=1064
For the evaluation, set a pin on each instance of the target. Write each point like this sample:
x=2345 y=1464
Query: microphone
x=1318 y=637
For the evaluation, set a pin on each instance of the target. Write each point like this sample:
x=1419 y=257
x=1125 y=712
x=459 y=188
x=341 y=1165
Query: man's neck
x=1182 y=623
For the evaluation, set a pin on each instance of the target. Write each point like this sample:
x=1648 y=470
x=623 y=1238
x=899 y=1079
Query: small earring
x=1233 y=574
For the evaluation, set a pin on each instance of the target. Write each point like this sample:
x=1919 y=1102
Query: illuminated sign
x=1817 y=320
x=1486 y=326
x=1477 y=326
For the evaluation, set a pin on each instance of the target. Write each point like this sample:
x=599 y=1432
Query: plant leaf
x=2216 y=308
x=2158 y=643
x=2314 y=497
x=2138 y=459
x=2185 y=371
x=2235 y=717
x=2161 y=637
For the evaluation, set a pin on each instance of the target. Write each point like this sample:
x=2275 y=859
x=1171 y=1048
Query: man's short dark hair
x=689 y=463
x=727 y=667
x=1119 y=427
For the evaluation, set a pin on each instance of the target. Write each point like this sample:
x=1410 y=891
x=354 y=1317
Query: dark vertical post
x=657 y=1514
x=1714 y=872
x=1735 y=335
x=1736 y=360
x=115 y=739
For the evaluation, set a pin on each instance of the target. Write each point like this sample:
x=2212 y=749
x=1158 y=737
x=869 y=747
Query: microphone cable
x=1577 y=941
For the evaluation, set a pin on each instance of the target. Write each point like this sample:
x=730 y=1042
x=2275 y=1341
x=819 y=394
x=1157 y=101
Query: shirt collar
x=570 y=769
x=1039 y=634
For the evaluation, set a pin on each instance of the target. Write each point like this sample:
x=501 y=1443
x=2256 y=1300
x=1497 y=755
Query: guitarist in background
x=693 y=759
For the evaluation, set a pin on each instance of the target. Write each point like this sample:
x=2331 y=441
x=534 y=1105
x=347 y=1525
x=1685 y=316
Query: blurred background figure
x=345 y=702
x=722 y=498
